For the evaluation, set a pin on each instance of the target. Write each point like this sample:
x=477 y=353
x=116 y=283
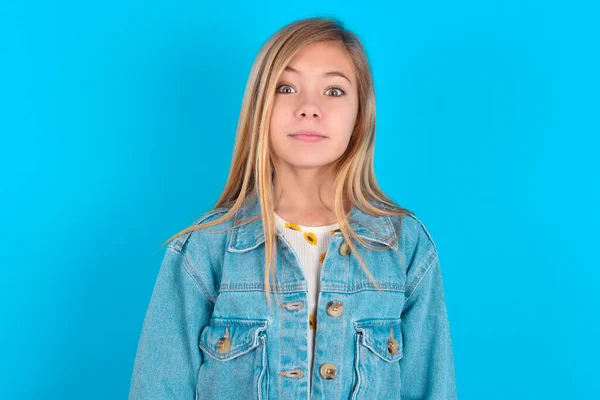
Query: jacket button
x=335 y=308
x=224 y=343
x=392 y=346
x=327 y=371
x=345 y=249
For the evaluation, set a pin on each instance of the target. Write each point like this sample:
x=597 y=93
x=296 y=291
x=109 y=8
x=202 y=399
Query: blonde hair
x=253 y=168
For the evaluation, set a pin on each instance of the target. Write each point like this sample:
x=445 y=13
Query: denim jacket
x=208 y=332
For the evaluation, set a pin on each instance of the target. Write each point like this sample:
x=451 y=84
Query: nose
x=304 y=113
x=308 y=108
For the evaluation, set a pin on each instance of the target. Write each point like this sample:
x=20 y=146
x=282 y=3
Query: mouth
x=308 y=136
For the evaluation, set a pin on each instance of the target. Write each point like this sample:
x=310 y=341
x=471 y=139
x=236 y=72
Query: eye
x=285 y=89
x=339 y=91
x=283 y=86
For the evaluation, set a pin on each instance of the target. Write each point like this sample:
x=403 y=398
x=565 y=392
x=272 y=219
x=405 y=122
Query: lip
x=307 y=136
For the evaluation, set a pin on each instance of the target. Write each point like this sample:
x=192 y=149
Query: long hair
x=253 y=168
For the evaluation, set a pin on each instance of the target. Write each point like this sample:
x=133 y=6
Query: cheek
x=277 y=127
x=278 y=116
x=344 y=119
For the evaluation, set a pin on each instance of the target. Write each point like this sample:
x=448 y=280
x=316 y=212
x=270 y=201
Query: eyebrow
x=330 y=73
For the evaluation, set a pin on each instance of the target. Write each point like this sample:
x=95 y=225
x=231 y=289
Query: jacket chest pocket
x=234 y=362
x=378 y=349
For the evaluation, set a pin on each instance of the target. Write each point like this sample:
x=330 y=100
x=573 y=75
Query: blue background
x=118 y=122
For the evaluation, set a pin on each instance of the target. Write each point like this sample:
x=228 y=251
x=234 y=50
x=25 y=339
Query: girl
x=305 y=280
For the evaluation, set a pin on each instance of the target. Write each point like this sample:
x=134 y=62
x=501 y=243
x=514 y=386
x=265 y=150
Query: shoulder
x=417 y=249
x=413 y=231
x=198 y=234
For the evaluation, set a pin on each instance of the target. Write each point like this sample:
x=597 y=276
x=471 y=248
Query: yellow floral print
x=312 y=322
x=322 y=258
x=293 y=226
x=310 y=238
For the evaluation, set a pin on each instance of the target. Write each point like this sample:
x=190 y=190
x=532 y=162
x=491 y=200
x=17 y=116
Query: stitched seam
x=180 y=241
x=423 y=274
x=198 y=282
x=425 y=229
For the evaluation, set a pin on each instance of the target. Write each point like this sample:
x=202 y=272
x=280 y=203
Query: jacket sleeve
x=427 y=365
x=168 y=358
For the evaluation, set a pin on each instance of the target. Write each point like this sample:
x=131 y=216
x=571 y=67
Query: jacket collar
x=377 y=229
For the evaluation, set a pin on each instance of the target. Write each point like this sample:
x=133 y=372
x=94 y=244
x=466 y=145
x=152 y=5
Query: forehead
x=316 y=58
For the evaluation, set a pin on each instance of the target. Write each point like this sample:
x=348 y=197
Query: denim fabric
x=210 y=283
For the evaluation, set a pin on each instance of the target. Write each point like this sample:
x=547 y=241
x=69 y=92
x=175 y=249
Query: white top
x=310 y=243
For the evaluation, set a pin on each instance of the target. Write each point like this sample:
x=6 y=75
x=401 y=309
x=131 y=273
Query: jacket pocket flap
x=243 y=337
x=382 y=336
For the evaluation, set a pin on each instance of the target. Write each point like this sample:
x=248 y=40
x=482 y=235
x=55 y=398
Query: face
x=316 y=93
